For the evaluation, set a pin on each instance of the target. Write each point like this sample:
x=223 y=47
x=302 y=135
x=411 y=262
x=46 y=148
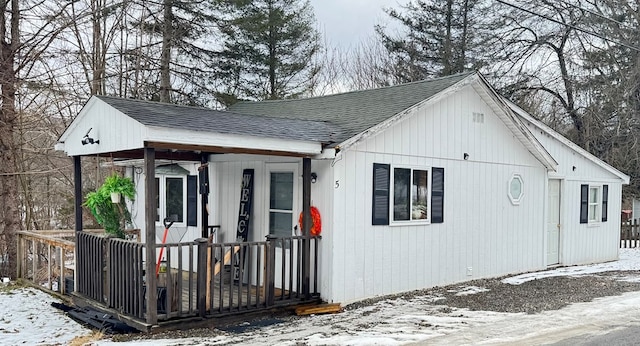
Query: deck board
x=235 y=296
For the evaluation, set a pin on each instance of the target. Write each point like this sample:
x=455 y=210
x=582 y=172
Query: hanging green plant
x=112 y=216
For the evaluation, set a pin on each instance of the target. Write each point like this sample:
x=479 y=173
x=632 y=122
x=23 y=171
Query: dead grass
x=86 y=339
x=7 y=288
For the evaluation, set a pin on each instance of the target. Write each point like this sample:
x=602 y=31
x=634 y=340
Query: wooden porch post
x=306 y=227
x=77 y=205
x=204 y=195
x=77 y=192
x=150 y=234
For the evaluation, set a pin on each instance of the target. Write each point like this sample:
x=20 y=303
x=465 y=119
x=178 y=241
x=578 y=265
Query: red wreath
x=316 y=225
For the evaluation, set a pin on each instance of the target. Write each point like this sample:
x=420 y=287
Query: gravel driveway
x=549 y=293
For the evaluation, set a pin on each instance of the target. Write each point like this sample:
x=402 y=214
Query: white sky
x=27 y=318
x=345 y=23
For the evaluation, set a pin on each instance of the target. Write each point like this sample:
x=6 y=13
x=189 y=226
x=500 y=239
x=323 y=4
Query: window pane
x=593 y=195
x=592 y=212
x=401 y=182
x=175 y=198
x=280 y=225
x=419 y=194
x=281 y=191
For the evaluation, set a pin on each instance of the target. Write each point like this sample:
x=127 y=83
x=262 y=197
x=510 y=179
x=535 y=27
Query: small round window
x=516 y=189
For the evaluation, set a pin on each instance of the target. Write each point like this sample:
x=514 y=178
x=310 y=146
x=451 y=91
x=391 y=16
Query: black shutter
x=437 y=195
x=605 y=202
x=192 y=200
x=381 y=182
x=584 y=203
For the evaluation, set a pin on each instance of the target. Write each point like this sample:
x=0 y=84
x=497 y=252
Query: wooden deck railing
x=45 y=260
x=90 y=259
x=198 y=278
x=125 y=277
x=630 y=234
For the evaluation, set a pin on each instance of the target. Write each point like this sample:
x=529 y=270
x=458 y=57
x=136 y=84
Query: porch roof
x=215 y=121
x=127 y=125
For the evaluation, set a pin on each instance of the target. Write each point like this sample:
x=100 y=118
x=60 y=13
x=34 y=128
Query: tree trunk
x=447 y=45
x=10 y=223
x=273 y=56
x=165 y=58
x=97 y=61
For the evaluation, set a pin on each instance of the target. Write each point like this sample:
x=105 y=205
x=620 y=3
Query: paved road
x=625 y=336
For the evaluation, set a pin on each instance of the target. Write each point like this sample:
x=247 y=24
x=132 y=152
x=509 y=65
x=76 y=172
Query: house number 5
x=337 y=184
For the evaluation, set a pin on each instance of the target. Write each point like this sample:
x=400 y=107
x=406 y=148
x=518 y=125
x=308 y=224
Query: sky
x=28 y=318
x=345 y=23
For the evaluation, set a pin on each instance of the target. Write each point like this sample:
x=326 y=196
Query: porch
x=201 y=280
x=121 y=276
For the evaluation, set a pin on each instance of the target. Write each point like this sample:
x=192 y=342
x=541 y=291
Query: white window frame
x=162 y=193
x=597 y=218
x=515 y=200
x=296 y=203
x=392 y=221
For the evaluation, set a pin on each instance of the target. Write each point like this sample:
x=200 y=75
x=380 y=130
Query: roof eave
x=232 y=142
x=548 y=130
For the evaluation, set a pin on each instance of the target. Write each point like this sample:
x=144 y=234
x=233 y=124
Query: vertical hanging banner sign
x=246 y=197
x=244 y=216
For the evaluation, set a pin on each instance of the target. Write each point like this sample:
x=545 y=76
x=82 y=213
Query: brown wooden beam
x=306 y=227
x=77 y=192
x=150 y=234
x=160 y=155
x=222 y=150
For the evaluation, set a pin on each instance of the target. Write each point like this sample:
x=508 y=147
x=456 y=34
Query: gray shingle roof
x=354 y=112
x=209 y=120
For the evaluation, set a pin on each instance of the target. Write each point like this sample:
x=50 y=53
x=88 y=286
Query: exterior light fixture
x=88 y=140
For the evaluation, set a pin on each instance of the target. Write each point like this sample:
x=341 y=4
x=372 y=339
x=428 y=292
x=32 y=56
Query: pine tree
x=179 y=50
x=442 y=37
x=268 y=49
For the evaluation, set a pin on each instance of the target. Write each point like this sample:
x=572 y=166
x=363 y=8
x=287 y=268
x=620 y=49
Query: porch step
x=318 y=309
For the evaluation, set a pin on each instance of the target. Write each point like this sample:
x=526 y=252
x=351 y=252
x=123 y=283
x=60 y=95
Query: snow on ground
x=28 y=318
x=629 y=259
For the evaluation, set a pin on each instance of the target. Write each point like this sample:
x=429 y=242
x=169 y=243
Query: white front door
x=283 y=217
x=553 y=223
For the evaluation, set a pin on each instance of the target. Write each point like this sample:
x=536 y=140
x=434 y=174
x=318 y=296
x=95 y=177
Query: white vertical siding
x=227 y=199
x=482 y=229
x=583 y=243
x=226 y=178
x=114 y=130
x=588 y=243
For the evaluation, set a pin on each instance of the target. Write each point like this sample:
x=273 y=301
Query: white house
x=418 y=185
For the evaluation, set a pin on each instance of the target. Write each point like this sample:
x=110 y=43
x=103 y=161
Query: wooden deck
x=110 y=275
x=225 y=295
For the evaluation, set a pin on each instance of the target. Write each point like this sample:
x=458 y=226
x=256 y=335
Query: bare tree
x=20 y=52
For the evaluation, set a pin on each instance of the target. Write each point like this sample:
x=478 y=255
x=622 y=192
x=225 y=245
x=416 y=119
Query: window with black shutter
x=401 y=195
x=594 y=203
